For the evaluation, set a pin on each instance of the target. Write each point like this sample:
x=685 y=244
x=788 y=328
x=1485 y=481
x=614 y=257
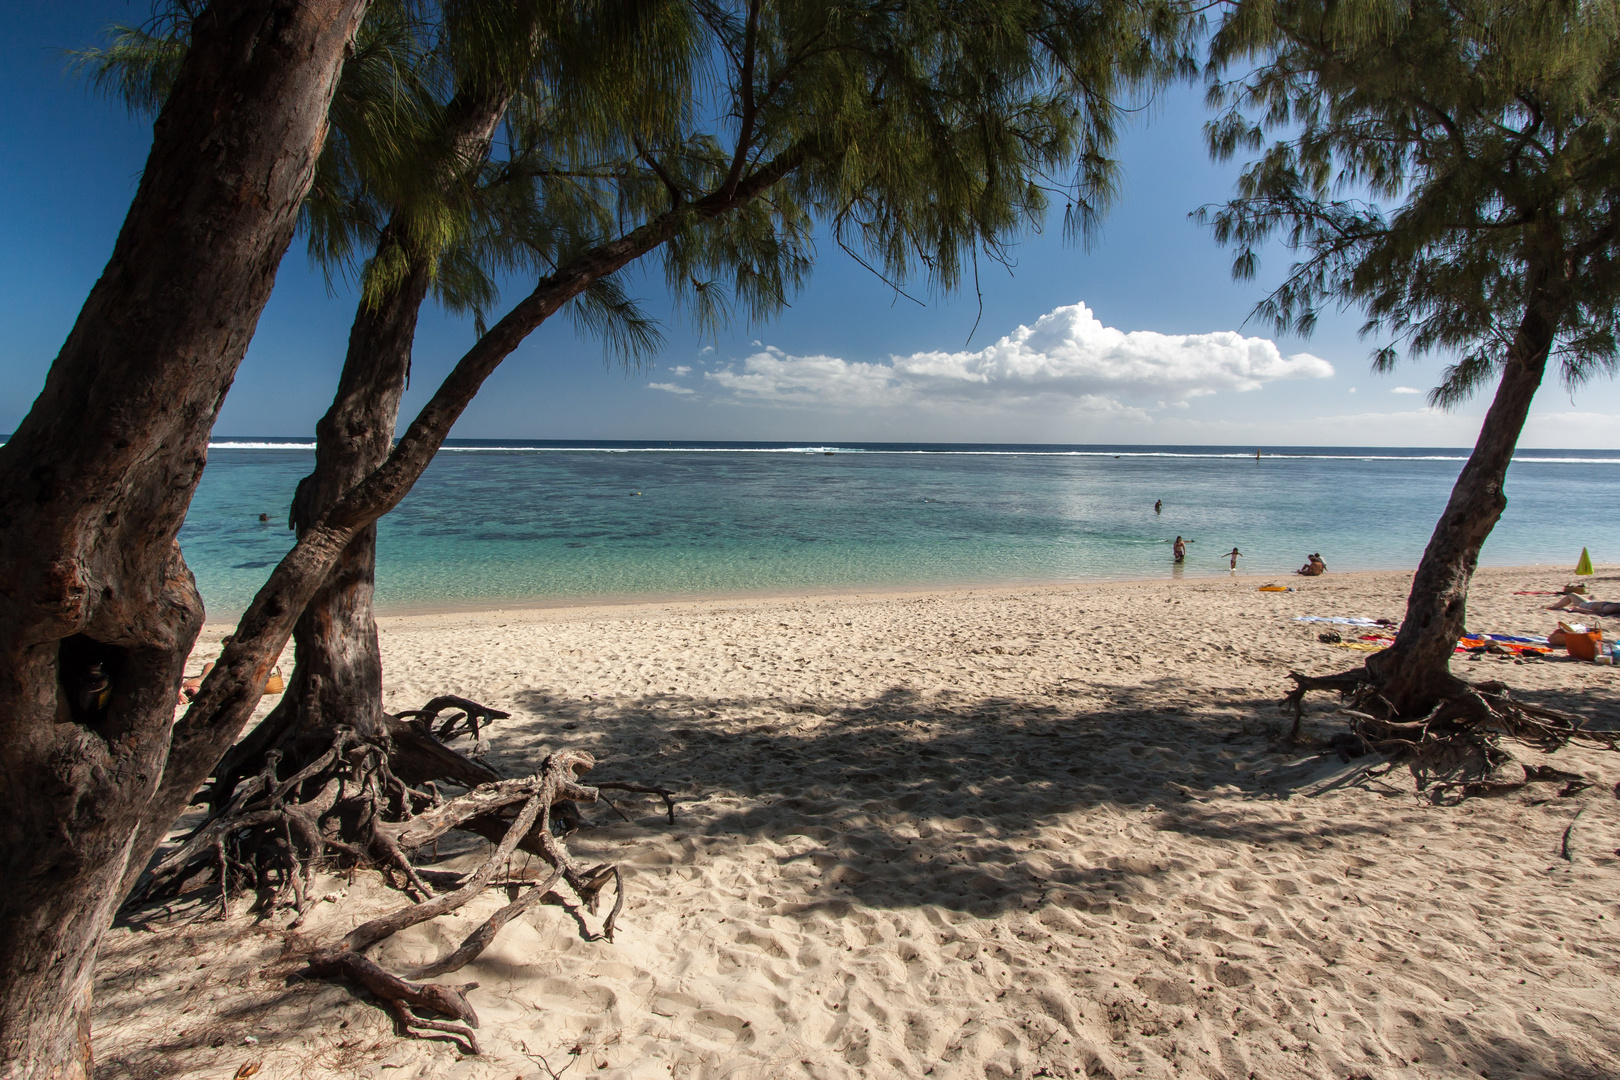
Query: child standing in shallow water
x=1180 y=550
x=1233 y=555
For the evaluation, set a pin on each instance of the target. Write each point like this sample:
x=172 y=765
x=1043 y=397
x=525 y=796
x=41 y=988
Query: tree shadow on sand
x=904 y=800
x=900 y=787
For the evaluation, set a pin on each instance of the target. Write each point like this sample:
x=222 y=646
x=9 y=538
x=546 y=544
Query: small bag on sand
x=1579 y=640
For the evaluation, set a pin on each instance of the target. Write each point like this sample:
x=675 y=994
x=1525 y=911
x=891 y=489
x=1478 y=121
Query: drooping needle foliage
x=1451 y=168
x=1445 y=166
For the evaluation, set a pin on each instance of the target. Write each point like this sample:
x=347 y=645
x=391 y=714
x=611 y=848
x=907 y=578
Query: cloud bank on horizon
x=1067 y=359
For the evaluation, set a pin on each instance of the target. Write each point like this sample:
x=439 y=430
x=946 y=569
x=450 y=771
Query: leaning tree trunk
x=99 y=609
x=229 y=693
x=1414 y=675
x=337 y=671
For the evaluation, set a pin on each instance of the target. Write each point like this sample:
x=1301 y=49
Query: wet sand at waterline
x=1013 y=832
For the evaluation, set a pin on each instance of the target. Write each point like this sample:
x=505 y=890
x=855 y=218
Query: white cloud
x=1067 y=357
x=706 y=350
x=670 y=388
x=681 y=369
x=1352 y=389
x=1404 y=390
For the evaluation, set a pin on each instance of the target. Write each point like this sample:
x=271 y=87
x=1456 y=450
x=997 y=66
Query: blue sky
x=1143 y=339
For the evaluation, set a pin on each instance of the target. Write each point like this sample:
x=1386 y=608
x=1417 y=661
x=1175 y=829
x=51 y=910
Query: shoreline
x=396 y=612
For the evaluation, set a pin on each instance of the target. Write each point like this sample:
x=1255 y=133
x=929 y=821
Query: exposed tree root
x=473 y=717
x=349 y=805
x=1455 y=749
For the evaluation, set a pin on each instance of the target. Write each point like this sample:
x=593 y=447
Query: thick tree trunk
x=99 y=609
x=1414 y=675
x=226 y=699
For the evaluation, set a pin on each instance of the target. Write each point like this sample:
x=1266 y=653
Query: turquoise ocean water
x=572 y=521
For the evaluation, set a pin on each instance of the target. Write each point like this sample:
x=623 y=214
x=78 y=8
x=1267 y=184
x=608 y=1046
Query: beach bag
x=1583 y=646
x=275 y=684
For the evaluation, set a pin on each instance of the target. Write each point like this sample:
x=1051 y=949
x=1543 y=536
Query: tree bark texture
x=336 y=637
x=99 y=610
x=1414 y=675
x=228 y=694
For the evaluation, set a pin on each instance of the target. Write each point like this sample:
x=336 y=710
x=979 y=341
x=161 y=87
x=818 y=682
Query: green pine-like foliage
x=1449 y=166
x=920 y=135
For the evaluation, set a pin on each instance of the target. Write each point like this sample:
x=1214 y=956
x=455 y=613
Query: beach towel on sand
x=1471 y=643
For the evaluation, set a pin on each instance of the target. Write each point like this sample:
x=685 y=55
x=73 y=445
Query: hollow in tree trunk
x=99 y=609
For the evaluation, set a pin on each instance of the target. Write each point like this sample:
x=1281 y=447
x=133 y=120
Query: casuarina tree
x=1451 y=168
x=100 y=611
x=409 y=179
x=919 y=133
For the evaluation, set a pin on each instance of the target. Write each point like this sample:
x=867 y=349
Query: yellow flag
x=1585 y=565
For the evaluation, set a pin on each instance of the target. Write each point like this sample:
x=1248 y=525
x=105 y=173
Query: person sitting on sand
x=1233 y=555
x=1571 y=602
x=1314 y=567
x=1180 y=550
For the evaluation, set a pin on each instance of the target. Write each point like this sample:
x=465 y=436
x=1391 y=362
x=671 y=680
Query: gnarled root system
x=1455 y=748
x=349 y=806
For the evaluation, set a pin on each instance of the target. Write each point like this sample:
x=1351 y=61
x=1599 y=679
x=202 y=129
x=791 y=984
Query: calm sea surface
x=567 y=521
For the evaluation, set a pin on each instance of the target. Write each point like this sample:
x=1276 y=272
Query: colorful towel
x=1472 y=643
x=1478 y=643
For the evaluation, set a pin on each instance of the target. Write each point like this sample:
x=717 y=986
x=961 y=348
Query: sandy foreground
x=1004 y=833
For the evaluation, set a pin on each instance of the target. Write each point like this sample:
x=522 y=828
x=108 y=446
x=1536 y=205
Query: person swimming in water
x=1179 y=550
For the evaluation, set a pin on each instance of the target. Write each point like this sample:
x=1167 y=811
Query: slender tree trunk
x=337 y=672
x=1415 y=673
x=227 y=696
x=337 y=677
x=99 y=609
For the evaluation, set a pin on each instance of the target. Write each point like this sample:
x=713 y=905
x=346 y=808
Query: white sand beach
x=1015 y=832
